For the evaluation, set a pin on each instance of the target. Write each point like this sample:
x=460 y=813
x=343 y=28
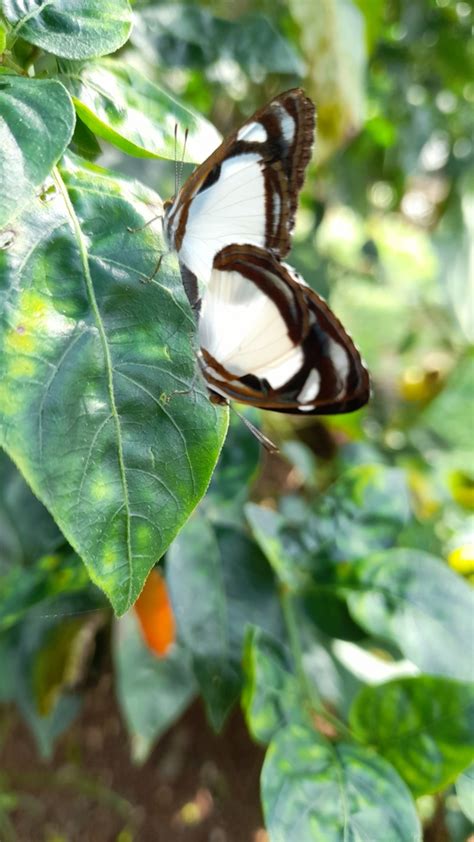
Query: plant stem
x=308 y=689
x=8 y=62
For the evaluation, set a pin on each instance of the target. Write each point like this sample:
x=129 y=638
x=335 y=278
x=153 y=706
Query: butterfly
x=266 y=338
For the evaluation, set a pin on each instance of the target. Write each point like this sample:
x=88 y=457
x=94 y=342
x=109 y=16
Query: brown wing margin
x=344 y=386
x=283 y=162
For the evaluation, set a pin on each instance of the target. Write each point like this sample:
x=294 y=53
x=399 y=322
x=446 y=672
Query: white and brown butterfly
x=265 y=337
x=246 y=192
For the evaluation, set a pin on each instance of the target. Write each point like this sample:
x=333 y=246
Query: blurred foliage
x=327 y=588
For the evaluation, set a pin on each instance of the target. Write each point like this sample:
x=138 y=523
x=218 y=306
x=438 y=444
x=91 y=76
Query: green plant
x=331 y=614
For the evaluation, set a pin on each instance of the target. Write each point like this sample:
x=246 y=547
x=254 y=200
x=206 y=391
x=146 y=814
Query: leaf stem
x=308 y=689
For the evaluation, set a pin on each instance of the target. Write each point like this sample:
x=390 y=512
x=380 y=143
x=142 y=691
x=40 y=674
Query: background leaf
x=123 y=107
x=153 y=692
x=418 y=603
x=271 y=697
x=190 y=36
x=465 y=792
x=36 y=125
x=27 y=530
x=219 y=582
x=92 y=361
x=333 y=45
x=314 y=790
x=424 y=726
x=71 y=28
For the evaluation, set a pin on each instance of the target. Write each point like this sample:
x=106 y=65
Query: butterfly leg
x=145 y=225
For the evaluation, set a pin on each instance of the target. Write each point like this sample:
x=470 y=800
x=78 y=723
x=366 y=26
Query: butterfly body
x=265 y=337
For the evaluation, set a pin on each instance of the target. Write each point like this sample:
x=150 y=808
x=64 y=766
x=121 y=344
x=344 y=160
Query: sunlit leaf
x=334 y=46
x=314 y=790
x=122 y=106
x=419 y=604
x=193 y=37
x=71 y=28
x=153 y=692
x=424 y=726
x=36 y=125
x=92 y=363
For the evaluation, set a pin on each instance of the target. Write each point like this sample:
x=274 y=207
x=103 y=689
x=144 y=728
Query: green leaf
x=465 y=792
x=188 y=36
x=36 y=125
x=333 y=43
x=22 y=540
x=415 y=601
x=424 y=726
x=313 y=790
x=362 y=512
x=74 y=29
x=271 y=697
x=235 y=471
x=282 y=547
x=92 y=362
x=49 y=578
x=152 y=692
x=219 y=582
x=122 y=106
x=449 y=415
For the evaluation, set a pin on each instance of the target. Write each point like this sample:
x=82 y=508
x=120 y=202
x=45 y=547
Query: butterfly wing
x=247 y=190
x=269 y=340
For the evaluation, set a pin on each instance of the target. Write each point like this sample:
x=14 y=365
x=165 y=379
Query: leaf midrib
x=108 y=362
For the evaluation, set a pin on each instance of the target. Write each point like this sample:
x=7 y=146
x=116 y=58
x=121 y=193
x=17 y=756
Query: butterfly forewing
x=268 y=340
x=246 y=192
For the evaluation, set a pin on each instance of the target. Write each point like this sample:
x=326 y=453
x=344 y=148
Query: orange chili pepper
x=155 y=614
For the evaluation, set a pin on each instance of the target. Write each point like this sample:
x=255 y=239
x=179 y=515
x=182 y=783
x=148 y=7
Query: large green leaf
x=419 y=604
x=188 y=36
x=92 y=361
x=36 y=125
x=152 y=692
x=121 y=105
x=313 y=791
x=71 y=28
x=219 y=582
x=424 y=726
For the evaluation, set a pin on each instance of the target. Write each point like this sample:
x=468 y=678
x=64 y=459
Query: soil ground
x=195 y=787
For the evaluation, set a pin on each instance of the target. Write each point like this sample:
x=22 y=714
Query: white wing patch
x=230 y=211
x=253 y=133
x=311 y=388
x=287 y=124
x=244 y=331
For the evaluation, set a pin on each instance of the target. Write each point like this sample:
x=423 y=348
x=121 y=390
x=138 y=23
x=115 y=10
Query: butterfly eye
x=167 y=203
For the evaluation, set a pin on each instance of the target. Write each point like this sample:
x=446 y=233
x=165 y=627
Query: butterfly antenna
x=181 y=165
x=264 y=441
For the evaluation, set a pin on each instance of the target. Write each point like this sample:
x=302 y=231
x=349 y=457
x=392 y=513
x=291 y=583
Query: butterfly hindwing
x=246 y=192
x=269 y=340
